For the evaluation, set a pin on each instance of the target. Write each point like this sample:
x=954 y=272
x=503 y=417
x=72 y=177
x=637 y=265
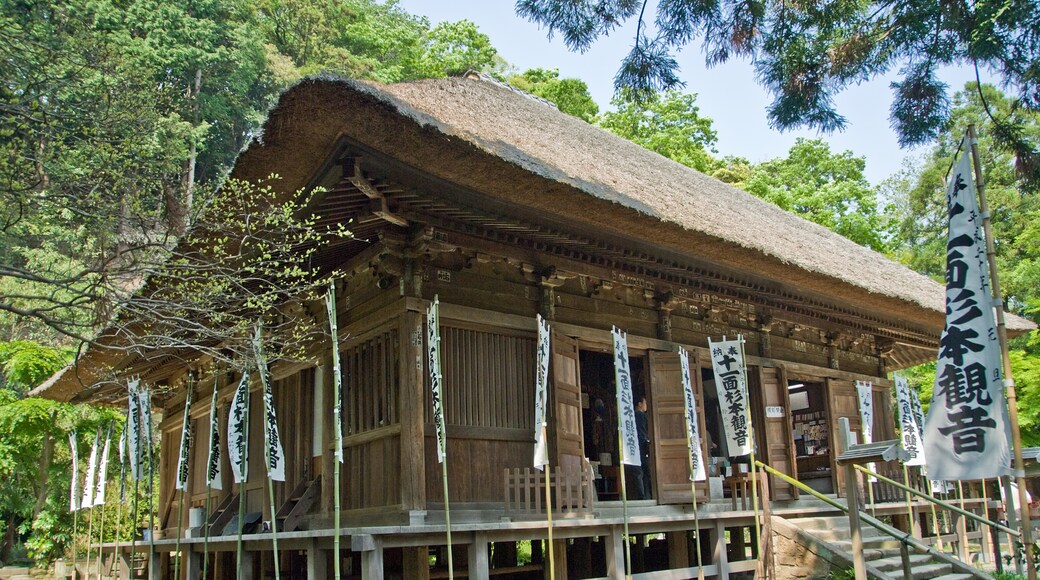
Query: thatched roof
x=519 y=153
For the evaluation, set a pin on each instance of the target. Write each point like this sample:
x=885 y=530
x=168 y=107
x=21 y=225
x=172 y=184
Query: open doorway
x=813 y=447
x=600 y=420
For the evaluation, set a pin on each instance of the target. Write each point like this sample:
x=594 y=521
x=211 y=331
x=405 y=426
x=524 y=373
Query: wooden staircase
x=299 y=503
x=222 y=514
x=882 y=553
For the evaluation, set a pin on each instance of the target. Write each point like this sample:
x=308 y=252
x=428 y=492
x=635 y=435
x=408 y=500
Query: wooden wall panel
x=370 y=383
x=671 y=448
x=778 y=438
x=842 y=402
x=372 y=478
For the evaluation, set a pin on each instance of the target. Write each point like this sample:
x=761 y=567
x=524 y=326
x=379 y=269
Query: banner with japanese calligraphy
x=727 y=362
x=133 y=430
x=865 y=394
x=625 y=404
x=238 y=431
x=144 y=409
x=911 y=432
x=693 y=435
x=99 y=494
x=965 y=435
x=87 y=501
x=541 y=389
x=185 y=451
x=122 y=464
x=337 y=369
x=213 y=466
x=74 y=484
x=274 y=456
x=433 y=352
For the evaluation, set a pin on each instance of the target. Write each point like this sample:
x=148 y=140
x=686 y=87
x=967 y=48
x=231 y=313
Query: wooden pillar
x=317 y=562
x=559 y=559
x=852 y=497
x=154 y=566
x=678 y=550
x=549 y=281
x=765 y=342
x=124 y=564
x=615 y=553
x=246 y=572
x=478 y=557
x=193 y=565
x=719 y=556
x=412 y=401
x=415 y=562
x=371 y=548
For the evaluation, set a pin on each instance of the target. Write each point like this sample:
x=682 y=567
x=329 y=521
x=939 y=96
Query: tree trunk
x=9 y=536
x=43 y=474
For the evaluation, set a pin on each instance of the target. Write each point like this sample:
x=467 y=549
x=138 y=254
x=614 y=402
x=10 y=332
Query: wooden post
x=852 y=496
x=1009 y=381
x=371 y=548
x=615 y=553
x=415 y=562
x=317 y=565
x=478 y=557
x=721 y=558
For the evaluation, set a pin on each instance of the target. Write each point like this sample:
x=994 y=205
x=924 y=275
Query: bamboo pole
x=180 y=532
x=119 y=514
x=242 y=465
x=101 y=540
x=435 y=333
x=75 y=531
x=90 y=534
x=133 y=525
x=548 y=513
x=205 y=537
x=624 y=499
x=338 y=418
x=909 y=504
x=274 y=520
x=1009 y=381
x=754 y=470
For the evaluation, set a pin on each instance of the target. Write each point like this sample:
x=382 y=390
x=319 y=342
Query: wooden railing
x=571 y=491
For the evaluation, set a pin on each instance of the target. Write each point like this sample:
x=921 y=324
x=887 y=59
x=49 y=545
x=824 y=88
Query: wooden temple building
x=506 y=208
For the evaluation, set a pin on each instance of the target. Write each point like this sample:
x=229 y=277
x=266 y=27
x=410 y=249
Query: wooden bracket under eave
x=378 y=205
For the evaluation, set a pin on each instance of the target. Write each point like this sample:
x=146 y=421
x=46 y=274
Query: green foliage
x=569 y=95
x=26 y=364
x=805 y=53
x=841 y=574
x=824 y=187
x=669 y=124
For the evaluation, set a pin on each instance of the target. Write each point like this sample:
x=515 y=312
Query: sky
x=727 y=93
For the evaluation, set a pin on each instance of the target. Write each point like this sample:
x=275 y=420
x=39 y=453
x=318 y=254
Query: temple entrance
x=812 y=434
x=600 y=421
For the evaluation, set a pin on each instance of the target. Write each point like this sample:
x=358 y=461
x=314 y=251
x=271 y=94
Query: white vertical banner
x=908 y=427
x=238 y=431
x=185 y=451
x=541 y=391
x=99 y=494
x=693 y=435
x=275 y=455
x=936 y=486
x=865 y=394
x=213 y=465
x=74 y=483
x=122 y=463
x=144 y=408
x=625 y=404
x=133 y=429
x=966 y=433
x=87 y=501
x=337 y=370
x=727 y=362
x=433 y=351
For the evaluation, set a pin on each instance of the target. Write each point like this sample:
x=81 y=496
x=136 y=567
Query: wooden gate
x=566 y=404
x=672 y=466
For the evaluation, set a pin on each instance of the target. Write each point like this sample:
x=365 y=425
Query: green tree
x=824 y=187
x=804 y=53
x=669 y=123
x=569 y=95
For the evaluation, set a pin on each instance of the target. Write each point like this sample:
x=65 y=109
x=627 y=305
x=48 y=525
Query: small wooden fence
x=572 y=492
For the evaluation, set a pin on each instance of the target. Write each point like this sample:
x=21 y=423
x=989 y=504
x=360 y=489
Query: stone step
x=896 y=563
x=930 y=571
x=954 y=576
x=822 y=522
